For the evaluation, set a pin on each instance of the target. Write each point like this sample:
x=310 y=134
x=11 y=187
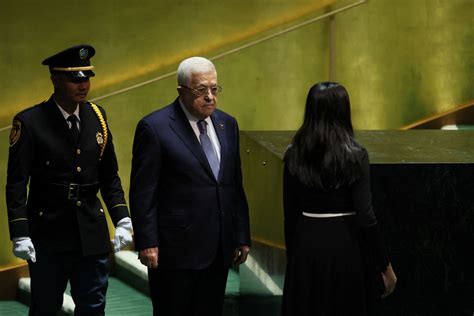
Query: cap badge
x=15 y=132
x=100 y=138
x=83 y=53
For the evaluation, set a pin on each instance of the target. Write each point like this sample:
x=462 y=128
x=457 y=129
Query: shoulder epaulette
x=103 y=124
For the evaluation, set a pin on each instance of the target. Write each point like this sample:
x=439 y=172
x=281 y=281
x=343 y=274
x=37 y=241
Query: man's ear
x=54 y=80
x=180 y=90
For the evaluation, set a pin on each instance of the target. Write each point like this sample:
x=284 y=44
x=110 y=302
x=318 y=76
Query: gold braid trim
x=118 y=205
x=19 y=219
x=102 y=122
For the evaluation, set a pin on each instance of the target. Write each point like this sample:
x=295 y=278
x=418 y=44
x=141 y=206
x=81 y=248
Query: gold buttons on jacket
x=101 y=210
x=40 y=213
x=78 y=169
x=78 y=151
x=78 y=203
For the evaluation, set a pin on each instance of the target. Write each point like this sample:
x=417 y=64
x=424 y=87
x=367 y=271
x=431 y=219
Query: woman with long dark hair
x=328 y=213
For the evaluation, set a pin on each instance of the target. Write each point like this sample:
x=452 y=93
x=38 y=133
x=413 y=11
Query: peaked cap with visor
x=73 y=61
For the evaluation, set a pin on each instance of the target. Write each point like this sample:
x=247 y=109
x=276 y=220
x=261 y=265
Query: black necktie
x=74 y=130
x=207 y=147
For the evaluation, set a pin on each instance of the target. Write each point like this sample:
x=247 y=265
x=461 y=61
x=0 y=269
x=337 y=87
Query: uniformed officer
x=63 y=148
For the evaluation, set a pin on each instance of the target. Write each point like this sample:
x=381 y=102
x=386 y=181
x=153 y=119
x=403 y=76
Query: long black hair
x=323 y=152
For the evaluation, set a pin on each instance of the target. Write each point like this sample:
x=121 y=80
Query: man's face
x=201 y=106
x=69 y=89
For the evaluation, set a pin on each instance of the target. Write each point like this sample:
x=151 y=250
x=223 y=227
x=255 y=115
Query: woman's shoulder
x=363 y=151
x=360 y=150
x=362 y=154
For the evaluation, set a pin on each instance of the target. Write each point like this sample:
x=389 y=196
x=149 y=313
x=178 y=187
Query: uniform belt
x=74 y=191
x=326 y=215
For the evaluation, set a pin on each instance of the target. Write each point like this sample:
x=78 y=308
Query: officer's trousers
x=88 y=276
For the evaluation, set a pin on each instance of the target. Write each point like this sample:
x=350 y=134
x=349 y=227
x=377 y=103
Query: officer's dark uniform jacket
x=61 y=212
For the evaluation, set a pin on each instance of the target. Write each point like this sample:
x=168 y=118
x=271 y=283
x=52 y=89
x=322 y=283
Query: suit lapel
x=219 y=127
x=180 y=125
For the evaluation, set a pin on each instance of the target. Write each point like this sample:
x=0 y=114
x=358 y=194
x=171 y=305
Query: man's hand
x=240 y=254
x=149 y=257
x=23 y=248
x=123 y=234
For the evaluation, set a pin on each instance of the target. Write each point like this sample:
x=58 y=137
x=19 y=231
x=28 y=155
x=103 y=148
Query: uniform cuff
x=19 y=229
x=118 y=212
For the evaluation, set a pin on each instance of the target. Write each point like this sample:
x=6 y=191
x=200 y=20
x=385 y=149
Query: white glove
x=23 y=248
x=123 y=234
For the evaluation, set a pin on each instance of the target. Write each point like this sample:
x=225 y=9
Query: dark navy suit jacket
x=176 y=203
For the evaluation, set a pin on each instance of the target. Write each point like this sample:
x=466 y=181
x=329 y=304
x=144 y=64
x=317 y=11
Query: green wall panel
x=262 y=174
x=400 y=60
x=134 y=39
x=265 y=86
x=404 y=60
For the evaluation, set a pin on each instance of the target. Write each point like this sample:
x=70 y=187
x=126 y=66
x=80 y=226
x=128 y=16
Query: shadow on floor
x=252 y=306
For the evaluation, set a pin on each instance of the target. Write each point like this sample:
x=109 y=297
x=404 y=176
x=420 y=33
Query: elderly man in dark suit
x=188 y=205
x=63 y=148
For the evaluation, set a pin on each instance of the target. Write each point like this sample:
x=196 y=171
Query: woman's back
x=327 y=200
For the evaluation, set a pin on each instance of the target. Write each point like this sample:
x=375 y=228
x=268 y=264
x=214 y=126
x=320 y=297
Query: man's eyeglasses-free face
x=200 y=91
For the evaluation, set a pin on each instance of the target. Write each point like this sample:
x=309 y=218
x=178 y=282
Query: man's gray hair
x=193 y=65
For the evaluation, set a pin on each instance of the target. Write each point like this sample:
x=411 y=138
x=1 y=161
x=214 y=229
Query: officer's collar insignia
x=221 y=126
x=83 y=53
x=15 y=132
x=100 y=138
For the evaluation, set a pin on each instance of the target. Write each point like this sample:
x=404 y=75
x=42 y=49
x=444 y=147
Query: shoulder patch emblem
x=15 y=132
x=100 y=138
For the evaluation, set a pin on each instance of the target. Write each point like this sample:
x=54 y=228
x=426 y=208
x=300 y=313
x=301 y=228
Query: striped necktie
x=207 y=147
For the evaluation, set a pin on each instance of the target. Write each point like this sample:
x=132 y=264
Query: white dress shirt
x=66 y=115
x=211 y=132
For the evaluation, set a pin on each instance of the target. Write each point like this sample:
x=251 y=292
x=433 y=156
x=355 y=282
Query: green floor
x=123 y=300
x=13 y=308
